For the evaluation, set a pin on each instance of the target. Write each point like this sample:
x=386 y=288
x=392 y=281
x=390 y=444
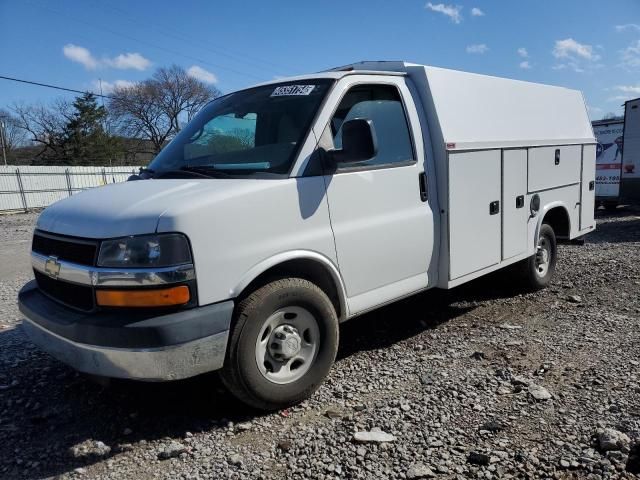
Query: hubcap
x=287 y=345
x=543 y=256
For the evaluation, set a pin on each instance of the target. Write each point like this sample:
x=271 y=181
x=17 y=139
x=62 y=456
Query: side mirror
x=358 y=142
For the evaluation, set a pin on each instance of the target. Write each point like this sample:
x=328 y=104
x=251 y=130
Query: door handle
x=592 y=185
x=557 y=161
x=494 y=207
x=422 y=180
x=520 y=201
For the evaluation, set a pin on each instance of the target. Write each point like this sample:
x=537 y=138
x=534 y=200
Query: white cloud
x=109 y=87
x=523 y=52
x=628 y=26
x=630 y=89
x=80 y=55
x=451 y=11
x=576 y=56
x=525 y=65
x=619 y=98
x=124 y=61
x=631 y=55
x=476 y=12
x=201 y=74
x=479 y=48
x=571 y=49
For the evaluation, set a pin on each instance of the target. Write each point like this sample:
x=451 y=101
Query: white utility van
x=284 y=209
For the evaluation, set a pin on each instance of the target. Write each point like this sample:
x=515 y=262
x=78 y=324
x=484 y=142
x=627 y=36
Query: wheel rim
x=543 y=256
x=287 y=345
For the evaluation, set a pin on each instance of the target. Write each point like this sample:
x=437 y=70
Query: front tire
x=282 y=344
x=538 y=270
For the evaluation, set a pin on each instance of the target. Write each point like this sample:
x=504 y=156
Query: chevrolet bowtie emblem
x=52 y=267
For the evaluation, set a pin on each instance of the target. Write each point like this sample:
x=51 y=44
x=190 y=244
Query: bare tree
x=152 y=109
x=179 y=93
x=45 y=125
x=612 y=116
x=139 y=114
x=14 y=135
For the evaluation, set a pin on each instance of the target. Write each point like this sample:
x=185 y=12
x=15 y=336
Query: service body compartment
x=515 y=212
x=474 y=225
x=587 y=197
x=552 y=167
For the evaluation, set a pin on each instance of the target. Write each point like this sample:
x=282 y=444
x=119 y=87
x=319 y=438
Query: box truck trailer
x=609 y=135
x=618 y=158
x=630 y=175
x=289 y=207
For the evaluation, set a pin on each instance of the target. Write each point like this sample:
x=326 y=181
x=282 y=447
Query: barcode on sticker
x=292 y=90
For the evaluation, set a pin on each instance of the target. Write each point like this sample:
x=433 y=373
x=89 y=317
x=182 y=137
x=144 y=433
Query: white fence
x=25 y=187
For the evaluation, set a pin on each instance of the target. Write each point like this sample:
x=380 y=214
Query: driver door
x=380 y=215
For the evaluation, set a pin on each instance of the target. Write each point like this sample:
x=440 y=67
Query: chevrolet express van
x=289 y=207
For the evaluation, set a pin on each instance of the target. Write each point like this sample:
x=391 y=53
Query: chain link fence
x=27 y=187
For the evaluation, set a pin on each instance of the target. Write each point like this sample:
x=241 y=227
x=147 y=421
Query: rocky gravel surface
x=483 y=381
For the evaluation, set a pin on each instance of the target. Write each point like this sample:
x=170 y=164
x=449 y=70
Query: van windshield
x=255 y=132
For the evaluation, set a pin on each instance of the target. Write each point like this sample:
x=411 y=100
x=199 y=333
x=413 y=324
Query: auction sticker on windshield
x=292 y=90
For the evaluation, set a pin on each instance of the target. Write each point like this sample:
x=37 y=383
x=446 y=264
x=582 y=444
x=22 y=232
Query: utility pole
x=104 y=126
x=2 y=140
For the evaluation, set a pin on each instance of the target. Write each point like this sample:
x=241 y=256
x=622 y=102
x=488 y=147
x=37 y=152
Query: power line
x=53 y=86
x=157 y=47
x=198 y=42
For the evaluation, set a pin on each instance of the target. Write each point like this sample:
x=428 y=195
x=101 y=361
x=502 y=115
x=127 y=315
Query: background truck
x=618 y=158
x=630 y=178
x=286 y=208
x=609 y=134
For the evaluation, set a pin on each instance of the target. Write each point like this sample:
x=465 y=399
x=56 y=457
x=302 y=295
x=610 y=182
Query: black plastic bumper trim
x=125 y=328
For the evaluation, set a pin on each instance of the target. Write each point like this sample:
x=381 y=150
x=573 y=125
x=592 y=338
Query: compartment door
x=515 y=208
x=474 y=211
x=551 y=167
x=587 y=190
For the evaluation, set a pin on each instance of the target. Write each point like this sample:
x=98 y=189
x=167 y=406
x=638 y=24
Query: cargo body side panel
x=515 y=209
x=552 y=167
x=587 y=189
x=474 y=230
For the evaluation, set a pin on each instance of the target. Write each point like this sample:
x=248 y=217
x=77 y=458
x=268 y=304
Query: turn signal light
x=163 y=297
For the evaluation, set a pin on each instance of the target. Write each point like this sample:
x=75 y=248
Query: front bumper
x=132 y=345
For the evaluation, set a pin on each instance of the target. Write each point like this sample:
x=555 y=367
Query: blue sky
x=591 y=45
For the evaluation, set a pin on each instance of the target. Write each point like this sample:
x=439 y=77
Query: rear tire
x=538 y=270
x=282 y=344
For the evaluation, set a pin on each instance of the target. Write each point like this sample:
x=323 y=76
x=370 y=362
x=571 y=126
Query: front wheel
x=538 y=270
x=282 y=344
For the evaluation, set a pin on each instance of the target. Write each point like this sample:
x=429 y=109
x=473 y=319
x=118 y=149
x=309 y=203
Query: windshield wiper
x=181 y=172
x=206 y=170
x=198 y=171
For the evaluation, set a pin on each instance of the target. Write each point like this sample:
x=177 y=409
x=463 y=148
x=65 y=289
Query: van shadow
x=48 y=412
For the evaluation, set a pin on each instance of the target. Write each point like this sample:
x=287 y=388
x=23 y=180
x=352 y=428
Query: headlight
x=163 y=250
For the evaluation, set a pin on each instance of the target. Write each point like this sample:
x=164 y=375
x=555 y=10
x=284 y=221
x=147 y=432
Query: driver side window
x=382 y=105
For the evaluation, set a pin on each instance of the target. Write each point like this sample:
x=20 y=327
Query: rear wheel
x=282 y=344
x=538 y=270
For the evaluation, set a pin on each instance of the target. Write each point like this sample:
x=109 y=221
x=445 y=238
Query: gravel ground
x=482 y=381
